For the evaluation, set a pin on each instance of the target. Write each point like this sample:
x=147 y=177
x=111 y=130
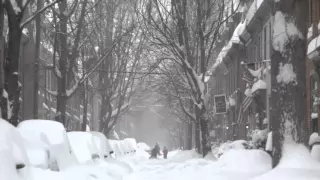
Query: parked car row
x=45 y=144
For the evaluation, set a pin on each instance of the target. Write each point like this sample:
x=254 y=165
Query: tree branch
x=37 y=13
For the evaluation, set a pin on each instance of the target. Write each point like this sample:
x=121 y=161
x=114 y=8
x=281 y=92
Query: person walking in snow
x=165 y=152
x=155 y=151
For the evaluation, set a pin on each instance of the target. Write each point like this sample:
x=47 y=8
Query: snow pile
x=296 y=164
x=241 y=160
x=115 y=168
x=80 y=172
x=61 y=155
x=185 y=155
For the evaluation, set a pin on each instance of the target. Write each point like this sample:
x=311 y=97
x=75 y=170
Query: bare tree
x=15 y=11
x=187 y=30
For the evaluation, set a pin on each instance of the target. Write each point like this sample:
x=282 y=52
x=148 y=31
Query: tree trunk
x=63 y=59
x=204 y=132
x=197 y=137
x=11 y=69
x=37 y=61
x=189 y=136
x=288 y=96
x=85 y=107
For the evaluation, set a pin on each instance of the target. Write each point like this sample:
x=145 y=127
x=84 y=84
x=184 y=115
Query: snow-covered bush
x=258 y=138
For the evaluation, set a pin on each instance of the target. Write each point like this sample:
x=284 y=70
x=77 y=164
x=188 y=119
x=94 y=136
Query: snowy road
x=186 y=166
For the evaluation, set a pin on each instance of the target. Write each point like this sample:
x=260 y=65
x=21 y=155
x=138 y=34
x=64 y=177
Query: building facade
x=47 y=80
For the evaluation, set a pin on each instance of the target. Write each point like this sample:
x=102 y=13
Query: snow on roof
x=313 y=45
x=253 y=9
x=234 y=39
x=260 y=84
x=237 y=32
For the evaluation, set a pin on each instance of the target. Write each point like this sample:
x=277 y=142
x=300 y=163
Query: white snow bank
x=297 y=156
x=80 y=172
x=245 y=161
x=11 y=153
x=296 y=164
x=185 y=155
x=83 y=146
x=115 y=168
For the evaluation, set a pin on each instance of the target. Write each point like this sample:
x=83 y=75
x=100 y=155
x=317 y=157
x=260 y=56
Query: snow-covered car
x=131 y=145
x=83 y=146
x=102 y=144
x=14 y=160
x=37 y=148
x=61 y=155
